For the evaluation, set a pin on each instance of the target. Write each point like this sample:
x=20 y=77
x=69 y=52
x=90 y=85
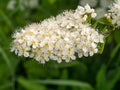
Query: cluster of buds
x=62 y=38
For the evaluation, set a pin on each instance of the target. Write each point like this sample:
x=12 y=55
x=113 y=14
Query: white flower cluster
x=65 y=37
x=114 y=13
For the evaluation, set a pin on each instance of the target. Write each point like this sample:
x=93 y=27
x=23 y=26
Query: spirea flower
x=61 y=38
x=114 y=13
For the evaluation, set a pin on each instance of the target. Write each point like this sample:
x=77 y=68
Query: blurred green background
x=100 y=72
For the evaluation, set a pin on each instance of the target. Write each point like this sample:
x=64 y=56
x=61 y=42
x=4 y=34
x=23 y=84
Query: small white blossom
x=108 y=15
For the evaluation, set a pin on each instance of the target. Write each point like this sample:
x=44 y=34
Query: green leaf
x=117 y=35
x=6 y=58
x=52 y=1
x=6 y=19
x=5 y=86
x=3 y=37
x=114 y=52
x=29 y=85
x=102 y=83
x=82 y=85
x=101 y=79
x=71 y=64
x=114 y=79
x=101 y=47
x=105 y=21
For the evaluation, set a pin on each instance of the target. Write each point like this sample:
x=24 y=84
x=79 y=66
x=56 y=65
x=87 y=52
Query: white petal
x=26 y=54
x=86 y=54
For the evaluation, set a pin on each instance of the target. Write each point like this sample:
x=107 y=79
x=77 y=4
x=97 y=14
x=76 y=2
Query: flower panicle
x=61 y=38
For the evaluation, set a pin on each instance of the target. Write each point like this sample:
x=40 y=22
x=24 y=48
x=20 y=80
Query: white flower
x=108 y=15
x=61 y=38
x=93 y=15
x=114 y=13
x=88 y=8
x=93 y=49
x=67 y=23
